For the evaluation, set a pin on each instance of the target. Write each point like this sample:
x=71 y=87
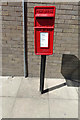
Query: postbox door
x=44 y=29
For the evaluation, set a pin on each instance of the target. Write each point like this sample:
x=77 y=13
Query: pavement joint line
x=49 y=105
x=62 y=99
x=12 y=106
x=32 y=98
x=35 y=97
x=15 y=98
x=7 y=97
x=48 y=98
x=19 y=87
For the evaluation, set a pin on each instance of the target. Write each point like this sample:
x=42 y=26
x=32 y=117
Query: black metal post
x=42 y=72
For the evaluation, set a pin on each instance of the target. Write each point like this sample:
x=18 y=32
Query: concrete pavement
x=20 y=98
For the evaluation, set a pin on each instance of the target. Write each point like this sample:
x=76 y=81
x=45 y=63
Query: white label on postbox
x=43 y=39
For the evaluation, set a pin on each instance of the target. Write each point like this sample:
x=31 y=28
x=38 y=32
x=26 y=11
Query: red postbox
x=44 y=18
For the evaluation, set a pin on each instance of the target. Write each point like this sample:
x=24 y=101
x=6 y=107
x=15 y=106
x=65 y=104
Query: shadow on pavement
x=70 y=69
x=54 y=88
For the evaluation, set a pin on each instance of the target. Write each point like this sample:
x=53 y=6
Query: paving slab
x=79 y=108
x=7 y=105
x=10 y=86
x=0 y=108
x=30 y=108
x=0 y=87
x=22 y=98
x=60 y=108
x=1 y=81
x=58 y=89
x=30 y=88
x=79 y=92
x=77 y=88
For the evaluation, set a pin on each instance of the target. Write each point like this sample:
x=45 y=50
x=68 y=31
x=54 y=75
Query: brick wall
x=12 y=39
x=0 y=41
x=64 y=61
